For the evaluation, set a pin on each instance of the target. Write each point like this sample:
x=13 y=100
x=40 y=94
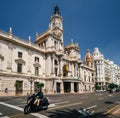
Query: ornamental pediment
x=37 y=65
x=21 y=61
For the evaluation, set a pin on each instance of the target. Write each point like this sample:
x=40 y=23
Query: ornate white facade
x=105 y=70
x=24 y=64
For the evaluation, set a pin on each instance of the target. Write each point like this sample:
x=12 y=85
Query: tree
x=40 y=85
x=97 y=87
x=112 y=86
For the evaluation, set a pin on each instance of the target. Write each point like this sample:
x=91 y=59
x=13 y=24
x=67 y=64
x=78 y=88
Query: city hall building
x=24 y=64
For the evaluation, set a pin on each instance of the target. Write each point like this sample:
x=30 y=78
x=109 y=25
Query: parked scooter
x=31 y=107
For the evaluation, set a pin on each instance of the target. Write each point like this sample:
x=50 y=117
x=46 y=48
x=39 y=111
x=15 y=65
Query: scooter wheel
x=27 y=109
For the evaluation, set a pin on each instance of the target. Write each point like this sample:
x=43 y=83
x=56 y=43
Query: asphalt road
x=62 y=106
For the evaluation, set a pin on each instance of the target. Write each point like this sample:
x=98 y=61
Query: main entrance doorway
x=76 y=87
x=58 y=87
x=67 y=87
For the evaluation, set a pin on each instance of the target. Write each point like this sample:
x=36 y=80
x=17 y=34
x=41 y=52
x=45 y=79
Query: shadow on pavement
x=75 y=114
x=109 y=102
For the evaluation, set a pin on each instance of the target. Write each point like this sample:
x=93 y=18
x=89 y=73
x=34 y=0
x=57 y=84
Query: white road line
x=1 y=114
x=62 y=102
x=4 y=117
x=39 y=115
x=91 y=107
x=55 y=104
x=54 y=100
x=51 y=105
x=21 y=109
x=12 y=106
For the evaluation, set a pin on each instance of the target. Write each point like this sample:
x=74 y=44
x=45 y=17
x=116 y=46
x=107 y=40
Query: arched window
x=56 y=63
x=56 y=67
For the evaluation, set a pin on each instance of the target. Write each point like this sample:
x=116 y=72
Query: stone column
x=80 y=88
x=52 y=65
x=62 y=87
x=9 y=57
x=60 y=67
x=29 y=61
x=72 y=69
x=72 y=87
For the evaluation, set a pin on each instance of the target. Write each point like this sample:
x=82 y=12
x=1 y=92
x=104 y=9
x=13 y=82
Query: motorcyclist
x=39 y=97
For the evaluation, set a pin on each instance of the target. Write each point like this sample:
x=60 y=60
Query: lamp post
x=31 y=82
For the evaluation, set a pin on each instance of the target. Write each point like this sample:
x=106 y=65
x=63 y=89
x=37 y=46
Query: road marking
x=54 y=100
x=4 y=117
x=61 y=102
x=39 y=115
x=110 y=110
x=51 y=105
x=91 y=107
x=21 y=109
x=62 y=106
x=12 y=106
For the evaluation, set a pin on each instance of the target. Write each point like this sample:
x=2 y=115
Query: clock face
x=57 y=32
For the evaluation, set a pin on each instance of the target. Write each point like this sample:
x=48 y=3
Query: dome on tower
x=89 y=60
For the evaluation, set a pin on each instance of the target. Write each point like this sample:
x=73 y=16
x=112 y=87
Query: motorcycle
x=31 y=107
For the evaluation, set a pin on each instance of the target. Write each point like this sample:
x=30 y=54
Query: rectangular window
x=55 y=71
x=20 y=54
x=19 y=68
x=37 y=71
x=56 y=44
x=36 y=59
x=85 y=78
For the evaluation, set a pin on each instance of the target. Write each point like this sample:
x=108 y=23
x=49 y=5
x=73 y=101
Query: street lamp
x=31 y=82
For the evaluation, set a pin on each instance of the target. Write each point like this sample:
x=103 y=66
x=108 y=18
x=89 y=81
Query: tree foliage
x=112 y=86
x=40 y=85
x=97 y=87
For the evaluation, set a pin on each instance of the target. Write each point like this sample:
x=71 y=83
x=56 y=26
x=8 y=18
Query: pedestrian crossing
x=2 y=115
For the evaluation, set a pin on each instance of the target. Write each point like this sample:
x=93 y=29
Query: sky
x=90 y=23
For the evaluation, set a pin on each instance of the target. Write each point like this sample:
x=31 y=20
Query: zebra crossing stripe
x=5 y=117
x=21 y=109
x=1 y=114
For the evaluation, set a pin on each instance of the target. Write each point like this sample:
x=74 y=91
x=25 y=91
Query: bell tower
x=56 y=24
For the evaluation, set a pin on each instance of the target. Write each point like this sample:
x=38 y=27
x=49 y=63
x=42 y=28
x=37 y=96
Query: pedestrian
x=6 y=90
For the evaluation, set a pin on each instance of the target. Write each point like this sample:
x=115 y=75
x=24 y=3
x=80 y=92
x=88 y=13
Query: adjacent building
x=105 y=70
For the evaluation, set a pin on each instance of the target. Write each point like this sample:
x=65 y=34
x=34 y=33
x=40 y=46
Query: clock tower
x=56 y=24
